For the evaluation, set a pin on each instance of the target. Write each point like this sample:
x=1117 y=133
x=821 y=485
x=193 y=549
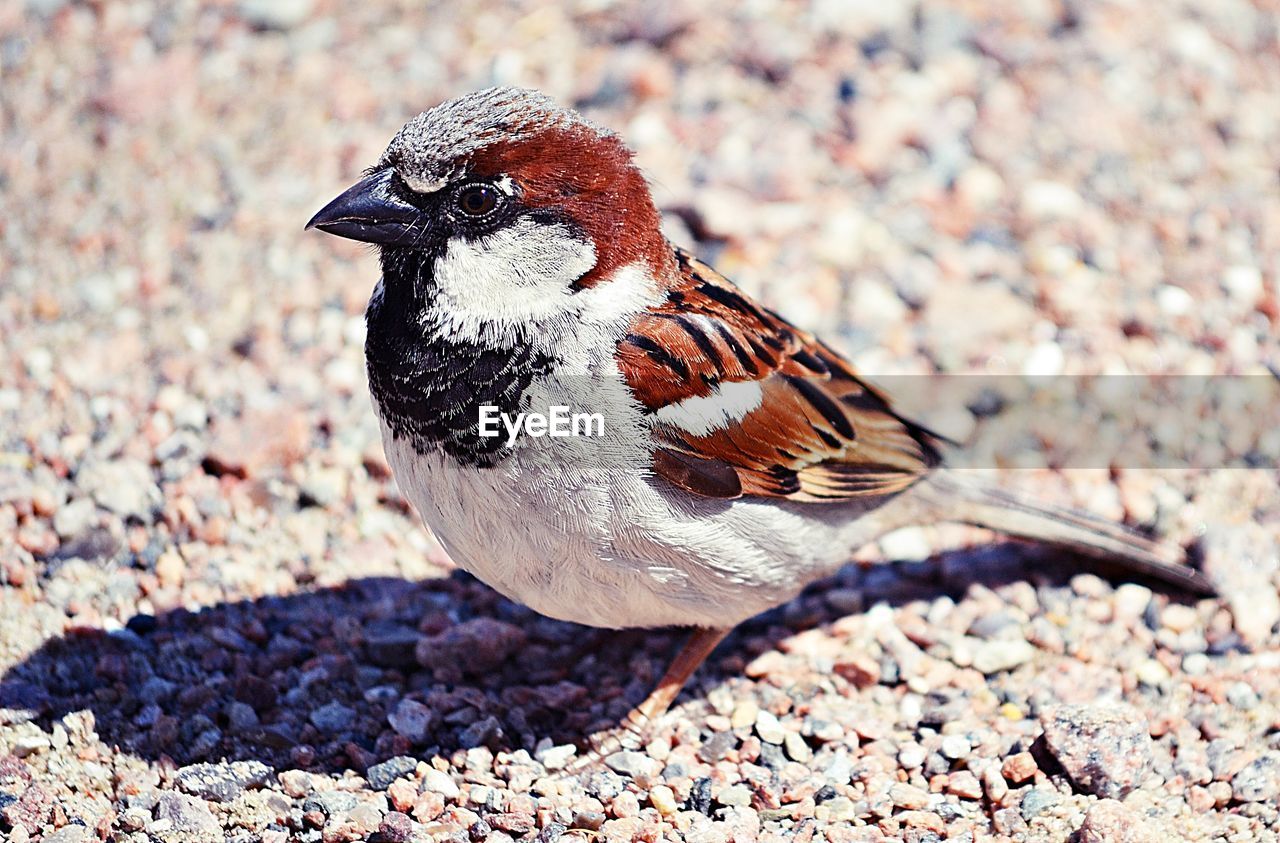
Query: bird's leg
x=690 y=658
x=636 y=723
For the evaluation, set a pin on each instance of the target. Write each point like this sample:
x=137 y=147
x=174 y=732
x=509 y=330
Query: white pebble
x=955 y=746
x=1044 y=200
x=440 y=782
x=911 y=756
x=1151 y=672
x=1243 y=283
x=1174 y=301
x=769 y=729
x=1195 y=664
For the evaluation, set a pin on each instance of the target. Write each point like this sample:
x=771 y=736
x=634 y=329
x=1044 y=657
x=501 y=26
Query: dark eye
x=478 y=200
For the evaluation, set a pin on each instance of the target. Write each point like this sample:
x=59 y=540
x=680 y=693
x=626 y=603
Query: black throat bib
x=429 y=388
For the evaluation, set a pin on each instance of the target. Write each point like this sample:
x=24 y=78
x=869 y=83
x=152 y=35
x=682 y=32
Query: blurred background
x=1037 y=187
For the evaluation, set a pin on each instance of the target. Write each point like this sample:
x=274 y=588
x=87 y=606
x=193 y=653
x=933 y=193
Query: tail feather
x=967 y=502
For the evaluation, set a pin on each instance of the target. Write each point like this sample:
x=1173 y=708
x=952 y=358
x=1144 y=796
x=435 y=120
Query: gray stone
x=1106 y=750
x=1259 y=781
x=68 y=834
x=330 y=802
x=839 y=769
x=392 y=646
x=242 y=717
x=411 y=719
x=1241 y=560
x=991 y=625
x=74 y=519
x=1242 y=695
x=636 y=765
x=222 y=782
x=1222 y=755
x=717 y=746
x=1036 y=800
x=604 y=784
x=125 y=487
x=381 y=776
x=332 y=718
x=479 y=733
x=185 y=818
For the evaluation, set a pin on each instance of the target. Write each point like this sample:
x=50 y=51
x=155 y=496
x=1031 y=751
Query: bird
x=524 y=272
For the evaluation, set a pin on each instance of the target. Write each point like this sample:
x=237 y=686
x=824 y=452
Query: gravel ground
x=219 y=619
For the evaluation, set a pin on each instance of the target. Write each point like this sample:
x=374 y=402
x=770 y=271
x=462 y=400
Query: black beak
x=370 y=211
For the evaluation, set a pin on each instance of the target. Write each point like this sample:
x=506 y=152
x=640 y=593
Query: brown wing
x=750 y=405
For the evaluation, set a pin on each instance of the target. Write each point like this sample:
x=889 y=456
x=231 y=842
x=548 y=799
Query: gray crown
x=433 y=147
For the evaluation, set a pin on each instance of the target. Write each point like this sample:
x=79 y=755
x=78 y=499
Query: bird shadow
x=311 y=680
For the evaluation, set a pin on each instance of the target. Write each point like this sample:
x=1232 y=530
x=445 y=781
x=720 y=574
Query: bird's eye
x=478 y=200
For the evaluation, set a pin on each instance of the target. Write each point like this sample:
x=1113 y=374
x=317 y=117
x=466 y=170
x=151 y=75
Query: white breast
x=579 y=529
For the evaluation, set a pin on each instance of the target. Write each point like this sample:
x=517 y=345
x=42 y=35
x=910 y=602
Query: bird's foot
x=632 y=734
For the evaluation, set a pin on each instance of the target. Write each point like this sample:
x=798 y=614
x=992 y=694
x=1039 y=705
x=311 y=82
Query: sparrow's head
x=503 y=187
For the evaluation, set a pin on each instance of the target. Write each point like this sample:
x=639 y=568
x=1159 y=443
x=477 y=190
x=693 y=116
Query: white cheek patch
x=519 y=275
x=700 y=415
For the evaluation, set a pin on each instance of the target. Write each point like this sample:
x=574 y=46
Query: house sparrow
x=524 y=268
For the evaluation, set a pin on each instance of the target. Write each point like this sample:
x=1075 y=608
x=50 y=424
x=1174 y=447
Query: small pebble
x=411 y=719
x=1242 y=696
x=555 y=757
x=907 y=796
x=769 y=729
x=797 y=748
x=1259 y=781
x=635 y=765
x=911 y=756
x=1178 y=617
x=994 y=785
x=1151 y=672
x=999 y=655
x=441 y=783
x=735 y=795
x=664 y=799
x=955 y=746
x=1019 y=767
x=964 y=784
x=744 y=714
x=332 y=718
x=1036 y=800
x=1109 y=821
x=381 y=776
